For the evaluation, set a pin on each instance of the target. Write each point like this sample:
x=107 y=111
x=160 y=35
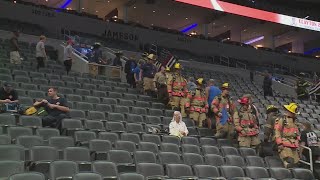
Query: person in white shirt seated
x=177 y=127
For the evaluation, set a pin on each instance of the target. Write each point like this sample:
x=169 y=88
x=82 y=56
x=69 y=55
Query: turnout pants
x=289 y=156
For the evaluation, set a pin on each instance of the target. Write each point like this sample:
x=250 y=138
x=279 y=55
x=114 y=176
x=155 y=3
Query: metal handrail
x=310 y=163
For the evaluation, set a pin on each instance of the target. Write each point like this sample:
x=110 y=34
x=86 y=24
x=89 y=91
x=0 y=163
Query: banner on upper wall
x=255 y=13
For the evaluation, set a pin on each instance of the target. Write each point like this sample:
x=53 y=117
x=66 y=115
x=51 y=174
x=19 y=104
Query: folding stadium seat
x=112 y=137
x=208 y=149
x=273 y=161
x=77 y=114
x=50 y=76
x=60 y=143
x=96 y=115
x=69 y=126
x=247 y=151
x=114 y=95
x=134 y=118
x=169 y=147
x=58 y=83
x=73 y=97
x=190 y=148
x=63 y=169
x=142 y=104
x=179 y=171
x=80 y=155
x=5 y=140
x=7 y=120
x=12 y=153
x=22 y=79
x=37 y=94
x=8 y=168
x=116 y=117
x=144 y=157
x=208 y=141
x=151 y=170
x=30 y=121
x=102 y=77
x=41 y=157
x=82 y=80
x=45 y=70
x=121 y=90
x=87 y=75
x=122 y=159
x=99 y=93
x=135 y=128
x=104 y=88
x=82 y=92
x=166 y=121
x=153 y=120
x=151 y=138
x=5 y=71
x=149 y=146
x=117 y=127
x=110 y=83
x=58 y=70
x=144 y=98
x=46 y=133
x=108 y=170
x=100 y=148
x=169 y=158
x=83 y=137
x=84 y=106
x=224 y=142
x=28 y=142
x=110 y=101
x=230 y=172
x=27 y=176
x=157 y=105
x=104 y=108
x=280 y=173
x=140 y=111
x=21 y=92
x=155 y=112
x=257 y=172
x=300 y=173
x=86 y=176
x=26 y=86
x=89 y=86
x=233 y=160
x=20 y=73
x=68 y=78
x=226 y=150
x=171 y=139
x=121 y=109
x=192 y=159
x=189 y=140
x=4 y=77
x=133 y=91
x=95 y=126
x=255 y=161
x=92 y=99
x=130 y=137
x=125 y=102
x=15 y=132
x=125 y=145
x=214 y=159
x=131 y=176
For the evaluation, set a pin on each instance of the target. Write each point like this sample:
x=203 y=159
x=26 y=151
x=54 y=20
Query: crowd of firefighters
x=231 y=121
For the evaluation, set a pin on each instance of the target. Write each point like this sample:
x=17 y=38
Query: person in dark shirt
x=14 y=49
x=96 y=54
x=129 y=70
x=309 y=139
x=56 y=108
x=117 y=59
x=267 y=85
x=148 y=70
x=8 y=94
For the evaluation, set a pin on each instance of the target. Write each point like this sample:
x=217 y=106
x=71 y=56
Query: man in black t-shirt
x=309 y=139
x=8 y=94
x=56 y=108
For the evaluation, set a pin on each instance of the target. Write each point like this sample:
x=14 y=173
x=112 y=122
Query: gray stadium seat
x=69 y=126
x=151 y=170
x=114 y=95
x=229 y=150
x=83 y=137
x=131 y=176
x=192 y=159
x=22 y=79
x=41 y=157
x=214 y=159
x=179 y=171
x=112 y=137
x=134 y=128
x=210 y=150
x=142 y=104
x=140 y=111
x=82 y=92
x=233 y=160
x=89 y=86
x=30 y=121
x=7 y=120
x=8 y=168
x=27 y=176
x=73 y=85
x=208 y=141
x=12 y=153
x=151 y=138
x=96 y=126
x=153 y=120
x=134 y=118
x=130 y=96
x=63 y=169
x=120 y=157
x=255 y=161
x=190 y=140
x=257 y=172
x=40 y=81
x=155 y=112
x=77 y=154
x=130 y=137
x=103 y=108
x=84 y=106
x=4 y=139
x=15 y=132
x=108 y=170
x=171 y=139
x=74 y=97
x=87 y=176
x=224 y=142
x=207 y=171
x=170 y=147
x=47 y=133
x=190 y=148
x=26 y=86
x=144 y=157
x=169 y=158
x=78 y=114
x=280 y=173
x=26 y=101
x=29 y=141
x=120 y=90
x=125 y=102
x=36 y=94
x=125 y=145
x=121 y=109
x=247 y=151
x=230 y=172
x=58 y=83
x=300 y=173
x=149 y=146
x=145 y=98
x=104 y=88
x=116 y=117
x=117 y=127
x=99 y=93
x=61 y=142
x=273 y=161
x=158 y=106
x=92 y=99
x=100 y=148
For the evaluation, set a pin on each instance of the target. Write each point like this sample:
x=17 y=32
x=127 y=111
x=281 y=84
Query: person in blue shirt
x=129 y=70
x=211 y=92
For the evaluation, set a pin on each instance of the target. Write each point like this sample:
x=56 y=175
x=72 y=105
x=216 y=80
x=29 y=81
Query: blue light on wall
x=65 y=4
x=192 y=26
x=312 y=51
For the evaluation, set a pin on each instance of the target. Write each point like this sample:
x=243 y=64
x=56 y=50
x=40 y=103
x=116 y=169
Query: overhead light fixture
x=254 y=40
x=97 y=11
x=115 y=17
x=169 y=14
x=82 y=8
x=153 y=11
x=193 y=33
x=259 y=45
x=306 y=17
x=289 y=51
x=186 y=18
x=134 y=7
x=317 y=56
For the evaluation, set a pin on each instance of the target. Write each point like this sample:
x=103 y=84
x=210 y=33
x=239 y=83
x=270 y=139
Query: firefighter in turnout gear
x=177 y=90
x=246 y=125
x=287 y=136
x=302 y=86
x=223 y=109
x=272 y=115
x=197 y=104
